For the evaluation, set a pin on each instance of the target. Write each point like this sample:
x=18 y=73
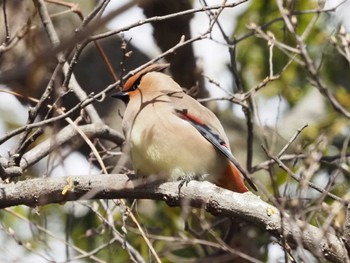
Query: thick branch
x=215 y=200
x=65 y=135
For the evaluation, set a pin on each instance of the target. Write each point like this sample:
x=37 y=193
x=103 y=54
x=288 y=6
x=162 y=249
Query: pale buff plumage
x=161 y=143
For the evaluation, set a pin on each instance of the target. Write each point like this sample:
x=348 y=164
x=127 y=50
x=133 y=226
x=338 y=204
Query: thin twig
x=143 y=234
x=133 y=252
x=52 y=235
x=51 y=32
x=32 y=114
x=7 y=31
x=309 y=64
x=65 y=135
x=296 y=178
x=279 y=19
x=166 y=17
x=291 y=140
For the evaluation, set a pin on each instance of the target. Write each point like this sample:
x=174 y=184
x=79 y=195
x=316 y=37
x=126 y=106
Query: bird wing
x=181 y=101
x=208 y=133
x=215 y=139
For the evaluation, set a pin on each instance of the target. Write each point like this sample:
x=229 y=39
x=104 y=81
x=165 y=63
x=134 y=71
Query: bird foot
x=186 y=179
x=183 y=180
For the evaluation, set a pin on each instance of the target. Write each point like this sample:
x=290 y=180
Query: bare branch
x=296 y=178
x=65 y=135
x=214 y=200
x=309 y=64
x=284 y=149
x=7 y=31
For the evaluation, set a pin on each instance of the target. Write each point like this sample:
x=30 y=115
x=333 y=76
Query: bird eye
x=136 y=84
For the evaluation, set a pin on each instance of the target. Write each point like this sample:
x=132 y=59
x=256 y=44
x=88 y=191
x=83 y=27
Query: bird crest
x=133 y=82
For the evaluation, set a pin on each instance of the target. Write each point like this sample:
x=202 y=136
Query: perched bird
x=172 y=135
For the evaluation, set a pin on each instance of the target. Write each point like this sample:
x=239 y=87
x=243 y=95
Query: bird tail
x=232 y=180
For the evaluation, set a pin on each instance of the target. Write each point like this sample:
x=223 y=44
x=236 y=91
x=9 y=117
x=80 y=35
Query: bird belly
x=180 y=153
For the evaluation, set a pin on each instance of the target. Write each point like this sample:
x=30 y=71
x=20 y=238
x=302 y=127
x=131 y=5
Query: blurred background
x=244 y=63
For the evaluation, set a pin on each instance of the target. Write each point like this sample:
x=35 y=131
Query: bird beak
x=122 y=95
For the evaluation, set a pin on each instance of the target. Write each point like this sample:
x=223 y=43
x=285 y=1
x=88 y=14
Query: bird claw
x=186 y=179
x=183 y=181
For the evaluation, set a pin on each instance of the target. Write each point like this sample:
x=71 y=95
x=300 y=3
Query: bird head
x=132 y=83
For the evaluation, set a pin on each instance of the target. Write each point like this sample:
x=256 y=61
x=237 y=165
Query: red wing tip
x=190 y=117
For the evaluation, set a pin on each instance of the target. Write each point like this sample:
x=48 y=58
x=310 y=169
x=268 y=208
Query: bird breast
x=170 y=146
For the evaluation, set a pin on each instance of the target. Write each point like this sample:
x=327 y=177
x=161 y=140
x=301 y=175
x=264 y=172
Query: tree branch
x=67 y=134
x=215 y=200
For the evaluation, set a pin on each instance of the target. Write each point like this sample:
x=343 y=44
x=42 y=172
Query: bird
x=172 y=136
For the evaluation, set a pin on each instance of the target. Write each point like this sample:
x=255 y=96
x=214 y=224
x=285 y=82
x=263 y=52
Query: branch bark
x=67 y=134
x=213 y=199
